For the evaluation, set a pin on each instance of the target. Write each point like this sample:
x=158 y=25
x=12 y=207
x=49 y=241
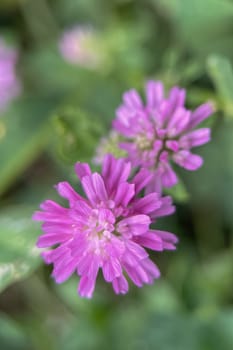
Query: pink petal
x=172 y=145
x=82 y=169
x=111 y=269
x=56 y=254
x=188 y=160
x=94 y=188
x=132 y=100
x=82 y=209
x=64 y=270
x=52 y=206
x=166 y=208
x=149 y=240
x=50 y=239
x=150 y=268
x=124 y=193
x=133 y=254
x=88 y=264
x=120 y=285
x=176 y=97
x=168 y=176
x=51 y=217
x=195 y=138
x=168 y=239
x=178 y=122
x=200 y=114
x=134 y=225
x=114 y=172
x=154 y=93
x=86 y=287
x=67 y=192
x=141 y=179
x=57 y=227
x=147 y=204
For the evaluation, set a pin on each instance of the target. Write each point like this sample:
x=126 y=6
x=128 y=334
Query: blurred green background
x=59 y=118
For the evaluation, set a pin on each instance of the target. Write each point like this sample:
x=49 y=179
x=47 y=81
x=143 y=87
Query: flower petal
x=195 y=138
x=154 y=93
x=147 y=204
x=82 y=169
x=67 y=192
x=134 y=225
x=120 y=285
x=188 y=160
x=201 y=113
x=86 y=287
x=94 y=188
x=111 y=269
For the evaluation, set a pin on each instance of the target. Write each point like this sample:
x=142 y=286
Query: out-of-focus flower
x=78 y=46
x=161 y=130
x=108 y=230
x=9 y=85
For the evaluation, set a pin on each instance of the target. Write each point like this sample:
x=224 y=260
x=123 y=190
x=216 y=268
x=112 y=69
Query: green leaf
x=212 y=281
x=18 y=253
x=221 y=72
x=204 y=26
x=11 y=335
x=77 y=134
x=178 y=192
x=24 y=132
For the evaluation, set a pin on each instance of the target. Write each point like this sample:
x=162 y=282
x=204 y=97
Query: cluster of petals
x=161 y=130
x=9 y=84
x=108 y=229
x=76 y=46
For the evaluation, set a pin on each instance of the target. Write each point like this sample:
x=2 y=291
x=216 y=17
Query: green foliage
x=24 y=132
x=19 y=256
x=204 y=26
x=11 y=336
x=77 y=134
x=178 y=192
x=221 y=72
x=61 y=117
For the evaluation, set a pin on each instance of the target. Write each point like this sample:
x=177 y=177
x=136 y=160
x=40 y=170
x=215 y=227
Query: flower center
x=143 y=142
x=101 y=223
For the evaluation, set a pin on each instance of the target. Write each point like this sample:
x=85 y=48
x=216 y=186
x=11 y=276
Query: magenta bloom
x=161 y=130
x=9 y=84
x=76 y=46
x=108 y=230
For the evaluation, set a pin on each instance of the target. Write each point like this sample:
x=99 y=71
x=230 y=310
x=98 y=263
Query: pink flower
x=108 y=230
x=76 y=46
x=9 y=84
x=161 y=130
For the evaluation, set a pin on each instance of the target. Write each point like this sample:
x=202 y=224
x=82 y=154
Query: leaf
x=220 y=332
x=24 y=132
x=11 y=335
x=178 y=192
x=161 y=298
x=77 y=134
x=205 y=26
x=221 y=72
x=212 y=281
x=18 y=253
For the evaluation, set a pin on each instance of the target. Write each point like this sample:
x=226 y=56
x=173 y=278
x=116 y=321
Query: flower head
x=161 y=130
x=9 y=84
x=77 y=46
x=108 y=230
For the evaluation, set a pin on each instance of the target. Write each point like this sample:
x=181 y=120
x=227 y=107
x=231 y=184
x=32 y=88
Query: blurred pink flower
x=108 y=230
x=76 y=46
x=9 y=84
x=161 y=130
